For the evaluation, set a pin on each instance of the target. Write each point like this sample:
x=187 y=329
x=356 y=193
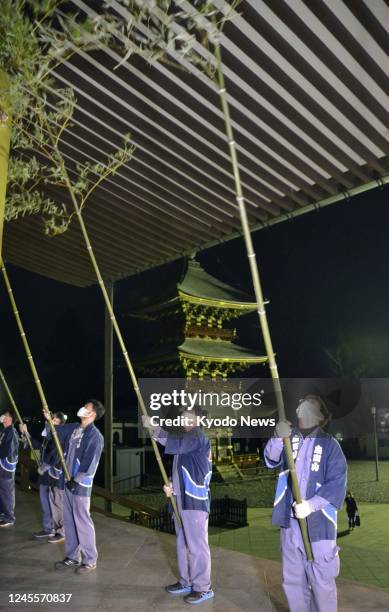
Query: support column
x=5 y=135
x=108 y=398
x=374 y=415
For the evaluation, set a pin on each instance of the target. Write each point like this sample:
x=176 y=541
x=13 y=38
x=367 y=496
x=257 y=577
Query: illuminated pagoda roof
x=199 y=287
x=218 y=350
x=201 y=357
x=193 y=285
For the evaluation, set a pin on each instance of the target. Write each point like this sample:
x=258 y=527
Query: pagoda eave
x=204 y=301
x=236 y=360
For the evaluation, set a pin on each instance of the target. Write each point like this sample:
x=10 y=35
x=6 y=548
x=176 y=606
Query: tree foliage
x=359 y=354
x=36 y=37
x=171 y=31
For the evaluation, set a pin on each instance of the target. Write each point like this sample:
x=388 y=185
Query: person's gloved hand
x=302 y=510
x=71 y=485
x=283 y=429
x=42 y=469
x=146 y=422
x=168 y=490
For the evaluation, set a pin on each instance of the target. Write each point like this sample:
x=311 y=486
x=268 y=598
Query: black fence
x=225 y=512
x=228 y=512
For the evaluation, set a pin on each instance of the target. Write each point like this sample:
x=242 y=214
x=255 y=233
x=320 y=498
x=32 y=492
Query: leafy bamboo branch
x=35 y=39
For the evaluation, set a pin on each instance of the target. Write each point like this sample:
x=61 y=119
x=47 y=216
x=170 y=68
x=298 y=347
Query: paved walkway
x=135 y=564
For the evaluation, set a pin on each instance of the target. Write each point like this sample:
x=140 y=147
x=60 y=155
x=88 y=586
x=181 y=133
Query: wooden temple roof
x=200 y=287
x=197 y=355
x=218 y=351
x=189 y=283
x=308 y=89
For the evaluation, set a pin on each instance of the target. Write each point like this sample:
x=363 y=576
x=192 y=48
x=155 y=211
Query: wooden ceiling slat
x=297 y=97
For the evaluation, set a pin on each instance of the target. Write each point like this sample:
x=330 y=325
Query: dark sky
x=325 y=273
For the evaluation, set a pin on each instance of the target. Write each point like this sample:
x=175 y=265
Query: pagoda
x=190 y=332
x=186 y=328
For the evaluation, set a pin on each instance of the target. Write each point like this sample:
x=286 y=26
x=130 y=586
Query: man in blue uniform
x=9 y=450
x=322 y=472
x=50 y=482
x=191 y=475
x=83 y=445
x=56 y=491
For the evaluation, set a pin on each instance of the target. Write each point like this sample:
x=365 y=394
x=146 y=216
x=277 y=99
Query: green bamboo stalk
x=16 y=411
x=115 y=325
x=258 y=289
x=5 y=136
x=34 y=371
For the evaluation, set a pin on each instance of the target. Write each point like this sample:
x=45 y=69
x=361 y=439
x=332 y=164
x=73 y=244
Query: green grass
x=362 y=481
x=260 y=494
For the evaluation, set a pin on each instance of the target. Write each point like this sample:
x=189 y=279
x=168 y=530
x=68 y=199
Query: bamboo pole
x=116 y=327
x=16 y=410
x=258 y=289
x=34 y=371
x=5 y=136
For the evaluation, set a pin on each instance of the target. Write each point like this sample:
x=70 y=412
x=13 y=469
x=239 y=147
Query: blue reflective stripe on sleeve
x=8 y=466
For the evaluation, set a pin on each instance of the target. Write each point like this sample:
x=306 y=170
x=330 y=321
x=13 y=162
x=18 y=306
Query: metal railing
x=225 y=512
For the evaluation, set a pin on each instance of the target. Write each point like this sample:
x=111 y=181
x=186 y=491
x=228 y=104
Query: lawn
x=260 y=494
x=362 y=481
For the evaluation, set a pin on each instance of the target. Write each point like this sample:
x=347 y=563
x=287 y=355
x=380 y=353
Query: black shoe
x=86 y=568
x=197 y=597
x=66 y=563
x=55 y=538
x=5 y=523
x=43 y=534
x=178 y=589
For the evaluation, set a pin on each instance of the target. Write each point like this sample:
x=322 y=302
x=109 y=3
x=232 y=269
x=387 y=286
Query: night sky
x=325 y=273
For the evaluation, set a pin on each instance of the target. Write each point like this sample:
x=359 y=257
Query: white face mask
x=83 y=412
x=2 y=418
x=309 y=414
